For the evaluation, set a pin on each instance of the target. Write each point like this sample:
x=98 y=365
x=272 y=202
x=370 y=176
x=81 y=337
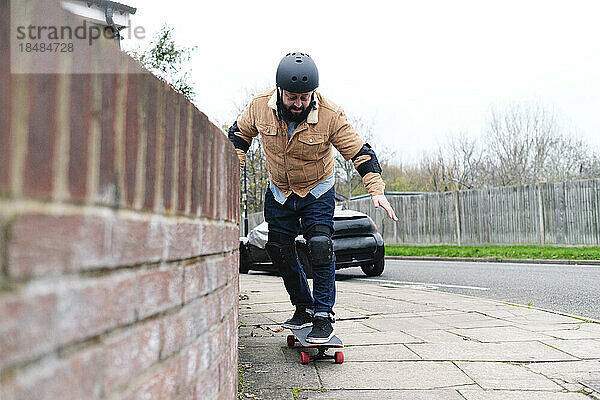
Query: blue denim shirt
x=317 y=191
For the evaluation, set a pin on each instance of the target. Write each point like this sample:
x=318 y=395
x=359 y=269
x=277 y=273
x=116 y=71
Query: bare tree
x=348 y=181
x=525 y=144
x=522 y=144
x=257 y=176
x=461 y=162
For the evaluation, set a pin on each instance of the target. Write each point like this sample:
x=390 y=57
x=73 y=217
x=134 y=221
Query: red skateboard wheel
x=339 y=357
x=304 y=358
x=291 y=340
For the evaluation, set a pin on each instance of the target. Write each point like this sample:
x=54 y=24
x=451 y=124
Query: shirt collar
x=313 y=115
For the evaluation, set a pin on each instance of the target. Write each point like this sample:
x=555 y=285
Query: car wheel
x=244 y=261
x=377 y=267
x=305 y=262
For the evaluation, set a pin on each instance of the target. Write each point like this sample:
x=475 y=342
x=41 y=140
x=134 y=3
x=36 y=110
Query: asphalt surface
x=569 y=289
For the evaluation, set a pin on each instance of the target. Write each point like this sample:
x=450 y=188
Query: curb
x=497 y=260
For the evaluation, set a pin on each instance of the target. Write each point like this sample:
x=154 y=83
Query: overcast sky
x=421 y=71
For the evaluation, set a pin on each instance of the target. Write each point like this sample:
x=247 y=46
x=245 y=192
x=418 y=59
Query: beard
x=287 y=114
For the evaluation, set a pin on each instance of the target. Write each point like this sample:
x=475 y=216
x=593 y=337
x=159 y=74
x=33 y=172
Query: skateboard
x=299 y=336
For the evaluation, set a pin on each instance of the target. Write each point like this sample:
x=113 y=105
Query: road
x=569 y=289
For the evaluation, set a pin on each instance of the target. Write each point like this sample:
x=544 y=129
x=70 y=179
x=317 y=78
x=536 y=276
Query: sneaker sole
x=288 y=326
x=320 y=340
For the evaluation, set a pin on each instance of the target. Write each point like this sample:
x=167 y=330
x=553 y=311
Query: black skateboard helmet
x=297 y=73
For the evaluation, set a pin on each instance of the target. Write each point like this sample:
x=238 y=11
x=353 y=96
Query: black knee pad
x=281 y=249
x=320 y=250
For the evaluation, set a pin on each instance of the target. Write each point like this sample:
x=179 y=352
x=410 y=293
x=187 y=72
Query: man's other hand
x=381 y=200
x=242 y=158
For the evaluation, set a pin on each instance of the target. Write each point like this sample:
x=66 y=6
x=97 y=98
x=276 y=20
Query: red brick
x=159 y=290
x=212 y=275
x=130 y=353
x=188 y=367
x=212 y=307
x=161 y=385
x=222 y=176
x=235 y=186
x=183 y=327
x=188 y=394
x=5 y=98
x=205 y=354
x=182 y=150
x=207 y=386
x=41 y=137
x=93 y=306
x=195 y=360
x=209 y=172
x=212 y=238
x=233 y=266
x=196 y=280
x=78 y=152
x=172 y=104
x=198 y=156
x=42 y=244
x=151 y=172
x=229 y=300
x=207 y=163
x=231 y=237
x=107 y=178
x=27 y=323
x=5 y=36
x=183 y=240
x=131 y=136
x=78 y=377
x=136 y=242
x=221 y=278
x=227 y=376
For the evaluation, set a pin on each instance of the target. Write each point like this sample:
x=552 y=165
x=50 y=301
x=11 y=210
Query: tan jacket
x=302 y=162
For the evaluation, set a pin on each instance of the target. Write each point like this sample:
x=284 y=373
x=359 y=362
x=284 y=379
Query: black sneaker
x=322 y=331
x=301 y=319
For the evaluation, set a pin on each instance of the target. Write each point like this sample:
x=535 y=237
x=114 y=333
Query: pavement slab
x=407 y=342
x=506 y=376
x=287 y=375
x=570 y=372
x=519 y=395
x=580 y=348
x=376 y=337
x=392 y=375
x=574 y=332
x=474 y=351
x=383 y=352
x=500 y=334
x=380 y=395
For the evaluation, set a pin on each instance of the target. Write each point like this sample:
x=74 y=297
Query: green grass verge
x=522 y=252
x=241 y=370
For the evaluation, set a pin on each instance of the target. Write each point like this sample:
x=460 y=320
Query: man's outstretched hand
x=381 y=200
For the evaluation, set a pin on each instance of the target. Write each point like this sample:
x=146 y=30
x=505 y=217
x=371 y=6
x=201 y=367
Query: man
x=298 y=127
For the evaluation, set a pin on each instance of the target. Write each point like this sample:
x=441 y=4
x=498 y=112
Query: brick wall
x=118 y=237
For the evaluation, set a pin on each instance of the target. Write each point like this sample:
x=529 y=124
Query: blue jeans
x=287 y=219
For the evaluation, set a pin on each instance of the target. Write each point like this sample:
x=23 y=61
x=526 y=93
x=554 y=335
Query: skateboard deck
x=299 y=336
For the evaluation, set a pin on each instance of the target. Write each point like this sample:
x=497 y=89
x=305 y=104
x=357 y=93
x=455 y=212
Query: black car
x=356 y=243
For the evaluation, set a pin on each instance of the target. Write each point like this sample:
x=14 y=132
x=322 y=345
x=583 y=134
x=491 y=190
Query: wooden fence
x=565 y=213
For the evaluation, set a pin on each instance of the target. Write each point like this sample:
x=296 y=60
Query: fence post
x=457 y=214
x=541 y=213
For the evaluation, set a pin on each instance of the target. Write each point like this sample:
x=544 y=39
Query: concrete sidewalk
x=407 y=342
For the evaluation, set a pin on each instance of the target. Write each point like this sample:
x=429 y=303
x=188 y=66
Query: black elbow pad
x=371 y=165
x=237 y=141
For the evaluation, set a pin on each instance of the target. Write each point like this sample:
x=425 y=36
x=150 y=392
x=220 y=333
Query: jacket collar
x=313 y=115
